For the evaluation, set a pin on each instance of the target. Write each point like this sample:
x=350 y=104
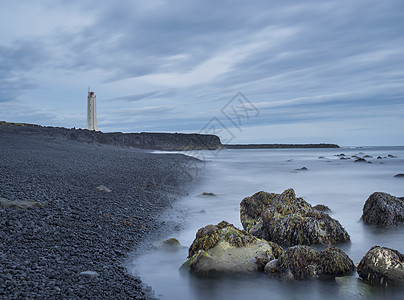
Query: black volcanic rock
x=143 y=140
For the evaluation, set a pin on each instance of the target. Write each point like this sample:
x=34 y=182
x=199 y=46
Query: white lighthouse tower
x=91 y=112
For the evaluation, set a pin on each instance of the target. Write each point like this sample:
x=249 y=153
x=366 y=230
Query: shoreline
x=279 y=146
x=44 y=251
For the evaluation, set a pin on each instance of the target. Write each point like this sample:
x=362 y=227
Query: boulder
x=223 y=248
x=399 y=175
x=333 y=262
x=383 y=209
x=360 y=160
x=287 y=220
x=383 y=267
x=304 y=262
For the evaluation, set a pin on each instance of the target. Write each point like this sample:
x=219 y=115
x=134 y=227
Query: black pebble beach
x=45 y=250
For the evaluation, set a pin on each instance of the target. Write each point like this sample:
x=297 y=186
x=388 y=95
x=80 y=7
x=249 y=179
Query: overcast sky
x=308 y=71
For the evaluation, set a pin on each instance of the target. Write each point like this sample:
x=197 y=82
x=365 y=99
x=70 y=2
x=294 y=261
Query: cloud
x=145 y=96
x=297 y=61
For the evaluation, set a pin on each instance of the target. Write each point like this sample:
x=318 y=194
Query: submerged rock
x=351 y=287
x=383 y=209
x=360 y=160
x=288 y=220
x=302 y=169
x=171 y=244
x=304 y=262
x=224 y=248
x=382 y=266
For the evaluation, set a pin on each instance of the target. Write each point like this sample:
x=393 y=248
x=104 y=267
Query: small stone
x=103 y=189
x=89 y=274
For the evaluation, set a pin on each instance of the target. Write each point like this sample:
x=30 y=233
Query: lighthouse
x=91 y=112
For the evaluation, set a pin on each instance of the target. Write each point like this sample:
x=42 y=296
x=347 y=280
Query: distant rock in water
x=399 y=175
x=302 y=169
x=360 y=160
x=321 y=207
x=223 y=248
x=391 y=156
x=304 y=262
x=208 y=194
x=379 y=157
x=383 y=209
x=288 y=220
x=382 y=266
x=368 y=156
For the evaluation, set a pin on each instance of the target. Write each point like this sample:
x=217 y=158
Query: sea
x=231 y=175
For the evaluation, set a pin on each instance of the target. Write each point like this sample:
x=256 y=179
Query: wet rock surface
x=304 y=262
x=288 y=220
x=75 y=246
x=223 y=248
x=384 y=210
x=382 y=266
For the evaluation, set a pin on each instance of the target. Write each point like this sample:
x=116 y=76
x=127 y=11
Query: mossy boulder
x=288 y=220
x=382 y=266
x=383 y=209
x=171 y=244
x=304 y=262
x=225 y=249
x=333 y=262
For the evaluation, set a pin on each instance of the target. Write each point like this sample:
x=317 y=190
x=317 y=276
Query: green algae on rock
x=304 y=262
x=224 y=248
x=382 y=266
x=288 y=220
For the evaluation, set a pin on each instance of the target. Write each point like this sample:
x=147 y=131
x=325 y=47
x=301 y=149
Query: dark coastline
x=44 y=250
x=278 y=146
x=142 y=140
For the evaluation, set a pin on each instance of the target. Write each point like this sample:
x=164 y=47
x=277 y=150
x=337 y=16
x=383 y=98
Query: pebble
x=84 y=224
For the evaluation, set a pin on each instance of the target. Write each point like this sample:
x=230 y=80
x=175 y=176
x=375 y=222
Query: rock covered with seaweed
x=383 y=209
x=303 y=262
x=223 y=248
x=288 y=220
x=382 y=266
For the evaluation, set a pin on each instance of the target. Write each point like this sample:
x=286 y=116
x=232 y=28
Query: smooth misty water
x=232 y=175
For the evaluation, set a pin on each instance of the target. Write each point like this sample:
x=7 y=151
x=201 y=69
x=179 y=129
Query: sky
x=248 y=71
